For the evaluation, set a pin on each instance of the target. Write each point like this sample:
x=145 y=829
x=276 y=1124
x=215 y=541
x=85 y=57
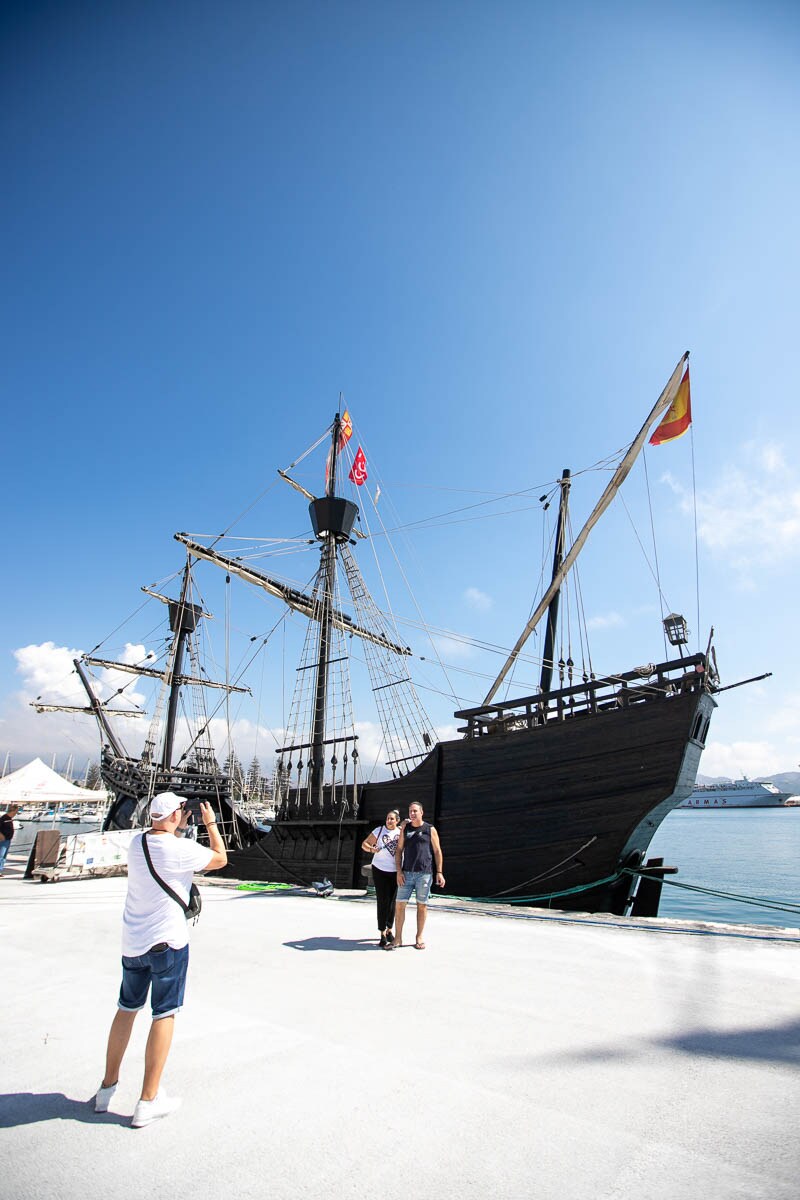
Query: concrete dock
x=520 y=1055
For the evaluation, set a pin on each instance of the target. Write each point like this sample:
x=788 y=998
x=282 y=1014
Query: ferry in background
x=743 y=793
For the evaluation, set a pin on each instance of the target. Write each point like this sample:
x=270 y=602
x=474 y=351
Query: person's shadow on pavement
x=332 y=943
x=29 y=1108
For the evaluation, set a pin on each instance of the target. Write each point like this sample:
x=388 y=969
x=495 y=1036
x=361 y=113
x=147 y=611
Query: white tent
x=36 y=783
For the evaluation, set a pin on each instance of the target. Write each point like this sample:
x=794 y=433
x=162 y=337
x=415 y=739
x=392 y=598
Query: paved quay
x=519 y=1056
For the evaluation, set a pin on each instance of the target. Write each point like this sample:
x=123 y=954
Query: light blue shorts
x=418 y=882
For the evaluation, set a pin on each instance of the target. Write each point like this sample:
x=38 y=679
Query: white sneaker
x=147 y=1111
x=103 y=1097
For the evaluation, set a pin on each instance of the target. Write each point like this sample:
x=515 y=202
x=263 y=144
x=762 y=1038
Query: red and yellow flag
x=678 y=416
x=345 y=430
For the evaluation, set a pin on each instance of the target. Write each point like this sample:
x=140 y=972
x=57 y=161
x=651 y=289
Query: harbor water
x=753 y=852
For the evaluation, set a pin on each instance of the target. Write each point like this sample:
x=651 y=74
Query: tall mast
x=328 y=568
x=332 y=520
x=97 y=709
x=659 y=408
x=558 y=558
x=183 y=618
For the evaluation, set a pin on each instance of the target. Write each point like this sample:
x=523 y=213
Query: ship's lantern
x=676 y=629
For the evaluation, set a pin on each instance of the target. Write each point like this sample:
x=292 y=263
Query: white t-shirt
x=150 y=915
x=387 y=839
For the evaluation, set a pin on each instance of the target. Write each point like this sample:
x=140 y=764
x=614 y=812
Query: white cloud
x=734 y=760
x=47 y=671
x=751 y=515
x=612 y=620
x=47 y=674
x=478 y=600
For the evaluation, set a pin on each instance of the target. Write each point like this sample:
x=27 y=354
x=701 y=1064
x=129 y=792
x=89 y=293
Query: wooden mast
x=97 y=709
x=558 y=558
x=659 y=408
x=328 y=571
x=183 y=618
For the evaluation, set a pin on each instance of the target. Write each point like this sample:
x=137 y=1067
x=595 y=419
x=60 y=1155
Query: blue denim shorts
x=165 y=971
x=418 y=882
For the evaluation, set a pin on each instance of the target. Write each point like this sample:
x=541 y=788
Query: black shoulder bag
x=191 y=910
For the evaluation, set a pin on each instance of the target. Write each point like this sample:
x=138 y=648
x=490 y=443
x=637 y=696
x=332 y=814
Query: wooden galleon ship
x=550 y=798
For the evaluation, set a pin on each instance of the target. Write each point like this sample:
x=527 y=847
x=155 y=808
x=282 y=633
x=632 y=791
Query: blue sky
x=493 y=227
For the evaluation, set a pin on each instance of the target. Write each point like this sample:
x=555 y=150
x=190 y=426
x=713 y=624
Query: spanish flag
x=678 y=416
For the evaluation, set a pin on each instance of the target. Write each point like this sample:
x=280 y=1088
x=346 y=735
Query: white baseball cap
x=163 y=805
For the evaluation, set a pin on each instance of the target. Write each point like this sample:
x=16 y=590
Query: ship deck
x=522 y=1054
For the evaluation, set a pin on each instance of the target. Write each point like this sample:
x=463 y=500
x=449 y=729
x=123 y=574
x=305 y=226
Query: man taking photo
x=155 y=945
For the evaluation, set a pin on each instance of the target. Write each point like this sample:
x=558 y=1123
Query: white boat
x=742 y=793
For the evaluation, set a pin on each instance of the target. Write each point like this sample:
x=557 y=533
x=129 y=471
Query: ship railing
x=657 y=682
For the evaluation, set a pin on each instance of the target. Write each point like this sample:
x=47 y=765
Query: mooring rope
x=758 y=901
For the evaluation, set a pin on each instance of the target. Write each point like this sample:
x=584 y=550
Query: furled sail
x=297 y=600
x=152 y=673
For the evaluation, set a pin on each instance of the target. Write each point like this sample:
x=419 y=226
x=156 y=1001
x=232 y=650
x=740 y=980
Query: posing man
x=416 y=853
x=155 y=946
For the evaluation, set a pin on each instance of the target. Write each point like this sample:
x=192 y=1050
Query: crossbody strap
x=158 y=878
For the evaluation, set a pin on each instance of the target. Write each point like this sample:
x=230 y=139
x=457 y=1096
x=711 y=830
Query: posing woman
x=381 y=844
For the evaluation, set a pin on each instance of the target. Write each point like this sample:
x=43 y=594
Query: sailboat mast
x=558 y=558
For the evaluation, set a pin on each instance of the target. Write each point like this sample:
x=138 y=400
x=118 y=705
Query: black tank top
x=417 y=852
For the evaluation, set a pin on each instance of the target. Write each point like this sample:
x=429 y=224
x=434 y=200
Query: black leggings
x=386 y=894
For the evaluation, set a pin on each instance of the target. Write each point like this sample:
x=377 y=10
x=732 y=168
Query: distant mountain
x=785 y=781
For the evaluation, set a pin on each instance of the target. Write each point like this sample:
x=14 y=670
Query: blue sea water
x=753 y=852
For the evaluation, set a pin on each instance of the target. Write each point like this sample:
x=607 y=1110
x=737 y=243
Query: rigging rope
x=696 y=544
x=655 y=547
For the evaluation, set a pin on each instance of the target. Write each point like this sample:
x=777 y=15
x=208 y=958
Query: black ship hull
x=545 y=800
x=526 y=814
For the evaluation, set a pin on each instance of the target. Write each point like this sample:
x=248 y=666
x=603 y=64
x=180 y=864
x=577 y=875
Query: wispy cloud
x=751 y=515
x=452 y=649
x=477 y=599
x=611 y=620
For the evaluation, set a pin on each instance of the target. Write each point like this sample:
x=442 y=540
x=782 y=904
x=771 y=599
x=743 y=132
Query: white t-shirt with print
x=150 y=915
x=387 y=839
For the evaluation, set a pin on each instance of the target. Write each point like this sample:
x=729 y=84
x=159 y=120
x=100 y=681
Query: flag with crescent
x=358 y=471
